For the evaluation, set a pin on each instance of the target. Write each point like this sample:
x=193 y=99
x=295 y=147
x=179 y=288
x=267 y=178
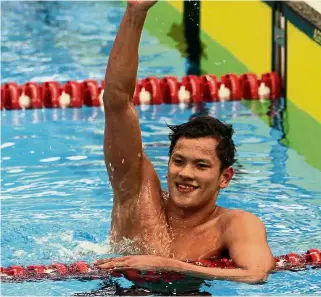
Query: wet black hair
x=207 y=126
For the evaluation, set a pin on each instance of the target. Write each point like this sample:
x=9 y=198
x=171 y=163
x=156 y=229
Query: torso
x=200 y=243
x=143 y=220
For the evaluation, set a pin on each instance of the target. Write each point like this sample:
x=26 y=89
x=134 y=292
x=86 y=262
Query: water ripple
x=56 y=198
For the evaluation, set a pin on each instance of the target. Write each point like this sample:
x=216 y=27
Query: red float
x=134 y=275
x=11 y=95
x=231 y=81
x=2 y=98
x=81 y=269
x=209 y=88
x=169 y=87
x=137 y=91
x=50 y=92
x=73 y=89
x=36 y=270
x=272 y=80
x=102 y=85
x=16 y=271
x=90 y=93
x=313 y=255
x=249 y=86
x=205 y=88
x=32 y=90
x=168 y=277
x=152 y=85
x=192 y=84
x=151 y=277
x=295 y=259
x=59 y=268
x=101 y=90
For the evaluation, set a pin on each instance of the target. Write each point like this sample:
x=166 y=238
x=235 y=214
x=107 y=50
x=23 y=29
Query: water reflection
x=112 y=287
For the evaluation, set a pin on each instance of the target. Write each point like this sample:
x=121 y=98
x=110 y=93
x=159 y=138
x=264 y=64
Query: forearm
x=232 y=274
x=123 y=60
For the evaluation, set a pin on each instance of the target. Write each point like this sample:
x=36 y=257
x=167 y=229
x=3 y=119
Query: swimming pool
x=56 y=199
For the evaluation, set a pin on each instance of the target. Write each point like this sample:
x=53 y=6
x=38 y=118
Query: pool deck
x=308 y=10
x=315 y=4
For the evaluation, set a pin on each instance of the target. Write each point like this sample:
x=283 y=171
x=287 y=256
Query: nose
x=186 y=172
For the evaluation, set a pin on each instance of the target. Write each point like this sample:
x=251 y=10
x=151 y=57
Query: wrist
x=175 y=265
x=136 y=11
x=135 y=18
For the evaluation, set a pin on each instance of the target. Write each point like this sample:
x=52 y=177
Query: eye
x=202 y=166
x=178 y=161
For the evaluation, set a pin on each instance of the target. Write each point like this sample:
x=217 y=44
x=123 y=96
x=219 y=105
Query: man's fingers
x=120 y=259
x=114 y=265
x=101 y=261
x=111 y=263
x=106 y=266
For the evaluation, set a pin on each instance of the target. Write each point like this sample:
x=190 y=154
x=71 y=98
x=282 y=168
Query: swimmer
x=185 y=223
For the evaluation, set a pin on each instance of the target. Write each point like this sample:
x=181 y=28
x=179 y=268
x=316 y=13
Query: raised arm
x=122 y=141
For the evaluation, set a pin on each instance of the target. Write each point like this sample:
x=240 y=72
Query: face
x=194 y=177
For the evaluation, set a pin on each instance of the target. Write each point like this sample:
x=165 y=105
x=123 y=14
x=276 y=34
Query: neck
x=183 y=220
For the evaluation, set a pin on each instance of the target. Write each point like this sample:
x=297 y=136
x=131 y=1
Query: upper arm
x=247 y=243
x=123 y=151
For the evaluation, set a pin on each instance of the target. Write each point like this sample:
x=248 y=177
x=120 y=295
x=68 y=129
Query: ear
x=226 y=177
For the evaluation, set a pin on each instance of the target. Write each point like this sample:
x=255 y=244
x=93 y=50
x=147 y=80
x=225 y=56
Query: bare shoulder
x=245 y=238
x=237 y=219
x=236 y=215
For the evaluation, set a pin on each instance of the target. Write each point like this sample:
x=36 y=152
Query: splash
x=125 y=246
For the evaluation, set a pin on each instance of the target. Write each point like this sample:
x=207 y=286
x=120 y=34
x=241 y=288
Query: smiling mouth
x=185 y=188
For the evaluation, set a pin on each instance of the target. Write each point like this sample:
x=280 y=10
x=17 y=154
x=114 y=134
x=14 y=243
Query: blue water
x=55 y=197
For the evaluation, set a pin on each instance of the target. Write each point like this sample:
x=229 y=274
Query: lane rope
x=84 y=271
x=150 y=90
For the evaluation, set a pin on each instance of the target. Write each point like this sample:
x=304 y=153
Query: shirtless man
x=186 y=223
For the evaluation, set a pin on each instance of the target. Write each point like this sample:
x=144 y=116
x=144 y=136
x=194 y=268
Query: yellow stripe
x=178 y=4
x=243 y=28
x=304 y=72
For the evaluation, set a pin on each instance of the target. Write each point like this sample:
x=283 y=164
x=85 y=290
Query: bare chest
x=198 y=245
x=152 y=235
x=144 y=221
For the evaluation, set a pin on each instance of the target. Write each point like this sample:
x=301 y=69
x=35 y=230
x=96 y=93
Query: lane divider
x=82 y=270
x=150 y=90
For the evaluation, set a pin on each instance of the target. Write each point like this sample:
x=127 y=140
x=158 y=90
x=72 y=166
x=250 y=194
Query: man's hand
x=145 y=263
x=134 y=268
x=141 y=262
x=141 y=5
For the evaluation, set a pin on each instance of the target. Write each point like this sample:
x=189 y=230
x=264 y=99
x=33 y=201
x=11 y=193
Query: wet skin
x=184 y=223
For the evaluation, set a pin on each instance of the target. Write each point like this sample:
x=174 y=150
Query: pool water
x=55 y=196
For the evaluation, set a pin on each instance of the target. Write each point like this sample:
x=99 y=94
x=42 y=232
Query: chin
x=182 y=200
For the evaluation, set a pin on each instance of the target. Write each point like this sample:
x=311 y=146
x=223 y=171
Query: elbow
x=116 y=87
x=259 y=277
x=116 y=98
